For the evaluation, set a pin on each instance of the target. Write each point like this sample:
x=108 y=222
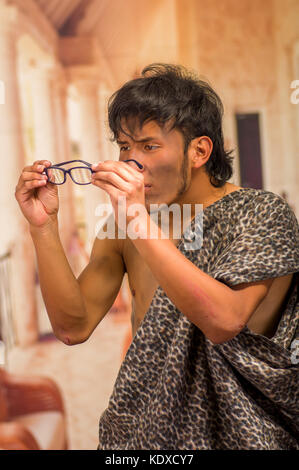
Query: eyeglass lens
x=55 y=175
x=79 y=175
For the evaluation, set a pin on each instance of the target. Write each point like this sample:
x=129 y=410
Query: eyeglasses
x=79 y=174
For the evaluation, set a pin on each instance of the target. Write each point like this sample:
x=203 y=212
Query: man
x=211 y=362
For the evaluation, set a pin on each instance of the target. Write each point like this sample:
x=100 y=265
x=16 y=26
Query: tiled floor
x=85 y=374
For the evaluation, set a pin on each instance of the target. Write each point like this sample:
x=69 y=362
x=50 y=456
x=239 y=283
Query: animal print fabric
x=178 y=390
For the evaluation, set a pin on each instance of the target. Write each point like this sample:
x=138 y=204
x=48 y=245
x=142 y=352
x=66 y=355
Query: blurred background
x=60 y=60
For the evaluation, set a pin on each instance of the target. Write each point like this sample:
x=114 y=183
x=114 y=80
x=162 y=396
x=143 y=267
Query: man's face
x=161 y=152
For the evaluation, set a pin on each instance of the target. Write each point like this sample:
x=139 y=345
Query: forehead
x=150 y=129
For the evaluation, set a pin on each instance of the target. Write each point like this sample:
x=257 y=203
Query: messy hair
x=167 y=93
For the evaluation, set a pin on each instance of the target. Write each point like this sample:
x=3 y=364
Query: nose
x=139 y=165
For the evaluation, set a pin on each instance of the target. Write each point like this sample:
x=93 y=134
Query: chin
x=157 y=201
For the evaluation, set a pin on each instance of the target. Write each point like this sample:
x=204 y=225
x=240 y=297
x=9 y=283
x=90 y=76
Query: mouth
x=147 y=187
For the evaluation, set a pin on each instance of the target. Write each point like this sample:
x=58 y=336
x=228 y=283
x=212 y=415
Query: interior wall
x=286 y=17
x=243 y=49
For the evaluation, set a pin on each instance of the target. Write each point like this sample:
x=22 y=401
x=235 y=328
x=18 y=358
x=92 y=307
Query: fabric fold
x=175 y=388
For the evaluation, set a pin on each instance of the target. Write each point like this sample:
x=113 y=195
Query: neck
x=201 y=191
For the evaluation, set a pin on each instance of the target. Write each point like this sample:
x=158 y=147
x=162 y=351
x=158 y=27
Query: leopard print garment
x=178 y=390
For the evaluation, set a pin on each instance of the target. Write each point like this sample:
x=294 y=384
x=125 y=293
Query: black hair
x=171 y=93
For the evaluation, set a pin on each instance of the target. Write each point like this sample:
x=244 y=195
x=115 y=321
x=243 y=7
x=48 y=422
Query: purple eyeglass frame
x=57 y=165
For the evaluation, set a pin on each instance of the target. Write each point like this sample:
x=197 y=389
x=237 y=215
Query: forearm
x=206 y=302
x=60 y=289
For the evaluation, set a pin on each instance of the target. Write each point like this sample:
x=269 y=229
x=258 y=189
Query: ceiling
x=59 y=12
x=129 y=32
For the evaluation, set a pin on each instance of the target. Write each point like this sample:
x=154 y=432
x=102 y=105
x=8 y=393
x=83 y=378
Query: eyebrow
x=146 y=139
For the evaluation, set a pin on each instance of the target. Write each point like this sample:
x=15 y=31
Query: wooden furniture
x=32 y=415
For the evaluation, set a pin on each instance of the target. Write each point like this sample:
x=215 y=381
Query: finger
x=131 y=167
x=133 y=170
x=112 y=167
x=28 y=185
x=35 y=179
x=136 y=163
x=111 y=190
x=42 y=162
x=39 y=166
x=111 y=178
x=122 y=169
x=31 y=175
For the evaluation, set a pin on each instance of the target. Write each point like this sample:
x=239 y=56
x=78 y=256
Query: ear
x=200 y=150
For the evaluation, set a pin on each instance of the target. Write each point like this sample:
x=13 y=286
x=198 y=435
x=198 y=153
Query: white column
x=45 y=141
x=110 y=150
x=51 y=136
x=66 y=212
x=14 y=232
x=90 y=143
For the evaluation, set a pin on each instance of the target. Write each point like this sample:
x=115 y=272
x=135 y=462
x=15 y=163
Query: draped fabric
x=178 y=390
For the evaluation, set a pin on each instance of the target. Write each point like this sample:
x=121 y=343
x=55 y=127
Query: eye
x=123 y=148
x=151 y=147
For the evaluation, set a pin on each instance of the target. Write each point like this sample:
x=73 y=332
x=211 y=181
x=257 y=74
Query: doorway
x=248 y=134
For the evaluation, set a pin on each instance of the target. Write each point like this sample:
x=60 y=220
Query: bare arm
x=74 y=306
x=101 y=280
x=60 y=289
x=219 y=311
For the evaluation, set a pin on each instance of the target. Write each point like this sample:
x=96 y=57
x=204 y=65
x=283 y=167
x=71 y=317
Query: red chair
x=32 y=415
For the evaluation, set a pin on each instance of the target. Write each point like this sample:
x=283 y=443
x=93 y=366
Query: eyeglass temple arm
x=137 y=163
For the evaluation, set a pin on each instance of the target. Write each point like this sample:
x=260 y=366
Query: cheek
x=166 y=174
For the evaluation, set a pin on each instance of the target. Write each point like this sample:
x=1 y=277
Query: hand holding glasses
x=79 y=174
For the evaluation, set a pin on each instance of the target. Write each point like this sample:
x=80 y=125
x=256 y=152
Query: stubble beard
x=183 y=183
x=184 y=179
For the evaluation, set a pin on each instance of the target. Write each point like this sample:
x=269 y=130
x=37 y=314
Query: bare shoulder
x=268 y=313
x=232 y=187
x=282 y=283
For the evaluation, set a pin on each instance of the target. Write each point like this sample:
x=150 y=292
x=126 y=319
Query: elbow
x=221 y=338
x=223 y=335
x=70 y=339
